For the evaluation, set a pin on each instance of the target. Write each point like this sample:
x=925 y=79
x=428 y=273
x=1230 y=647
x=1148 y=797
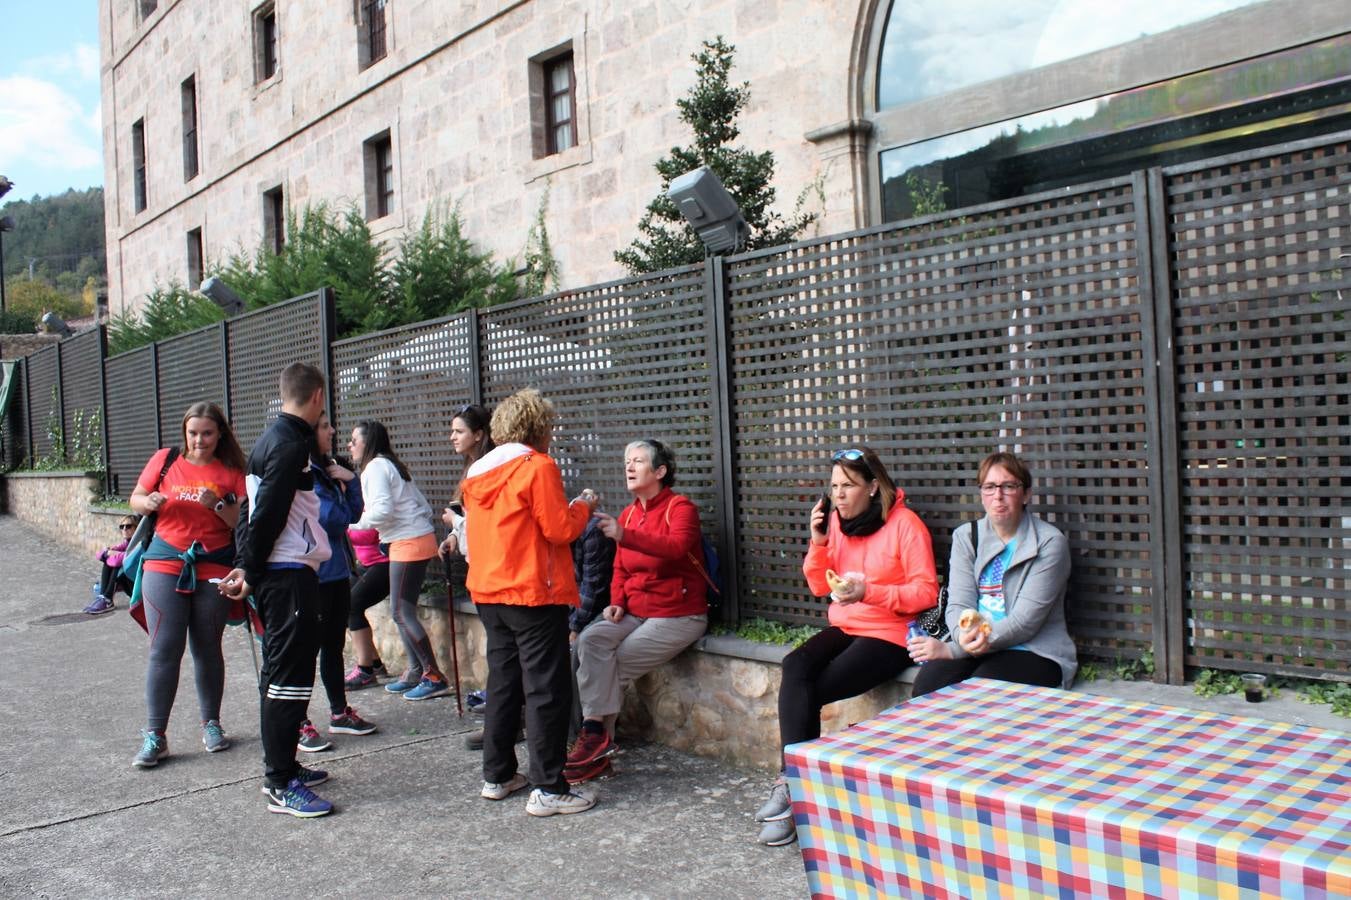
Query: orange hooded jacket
x=520 y=528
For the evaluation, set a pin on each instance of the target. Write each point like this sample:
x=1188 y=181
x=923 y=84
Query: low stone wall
x=60 y=505
x=718 y=699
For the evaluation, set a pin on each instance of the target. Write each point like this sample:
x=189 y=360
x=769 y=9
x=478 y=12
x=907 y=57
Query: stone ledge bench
x=717 y=699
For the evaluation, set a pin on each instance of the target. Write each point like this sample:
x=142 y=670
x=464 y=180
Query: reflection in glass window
x=1279 y=97
x=931 y=47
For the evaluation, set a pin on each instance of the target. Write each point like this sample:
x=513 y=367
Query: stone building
x=220 y=113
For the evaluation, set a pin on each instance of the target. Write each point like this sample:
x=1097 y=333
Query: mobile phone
x=825 y=508
x=457 y=507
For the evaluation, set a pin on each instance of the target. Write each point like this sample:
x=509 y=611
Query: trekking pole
x=454 y=651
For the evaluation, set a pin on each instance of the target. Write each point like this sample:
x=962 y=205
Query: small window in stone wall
x=372 y=32
x=274 y=219
x=378 y=153
x=189 y=106
x=196 y=258
x=265 y=55
x=138 y=165
x=147 y=7
x=553 y=102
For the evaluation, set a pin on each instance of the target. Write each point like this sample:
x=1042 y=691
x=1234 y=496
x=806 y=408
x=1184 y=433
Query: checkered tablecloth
x=994 y=789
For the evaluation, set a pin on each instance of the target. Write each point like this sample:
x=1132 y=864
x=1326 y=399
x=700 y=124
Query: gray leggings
x=174 y=621
x=405 y=584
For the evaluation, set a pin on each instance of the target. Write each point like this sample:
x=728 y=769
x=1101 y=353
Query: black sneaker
x=311 y=741
x=350 y=723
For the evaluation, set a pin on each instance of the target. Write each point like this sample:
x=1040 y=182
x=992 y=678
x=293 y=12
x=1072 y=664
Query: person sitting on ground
x=340 y=505
x=519 y=525
x=111 y=579
x=370 y=587
x=396 y=507
x=658 y=601
x=874 y=557
x=1006 y=599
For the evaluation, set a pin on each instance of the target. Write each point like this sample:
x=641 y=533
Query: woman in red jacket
x=658 y=601
x=875 y=560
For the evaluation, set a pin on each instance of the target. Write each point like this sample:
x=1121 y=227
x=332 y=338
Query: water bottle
x=915 y=630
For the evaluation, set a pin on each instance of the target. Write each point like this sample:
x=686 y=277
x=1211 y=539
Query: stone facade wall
x=455 y=95
x=718 y=699
x=59 y=504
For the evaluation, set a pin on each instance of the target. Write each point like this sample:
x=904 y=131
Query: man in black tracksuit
x=280 y=546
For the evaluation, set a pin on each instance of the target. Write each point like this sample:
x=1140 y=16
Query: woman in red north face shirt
x=197 y=505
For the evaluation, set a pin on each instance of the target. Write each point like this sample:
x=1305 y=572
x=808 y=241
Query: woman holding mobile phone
x=873 y=556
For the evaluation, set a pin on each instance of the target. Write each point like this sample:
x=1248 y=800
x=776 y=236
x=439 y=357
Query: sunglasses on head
x=850 y=454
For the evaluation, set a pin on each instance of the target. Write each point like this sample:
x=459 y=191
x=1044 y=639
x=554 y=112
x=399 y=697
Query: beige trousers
x=611 y=654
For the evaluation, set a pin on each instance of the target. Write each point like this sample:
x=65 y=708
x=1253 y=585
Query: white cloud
x=42 y=126
x=80 y=63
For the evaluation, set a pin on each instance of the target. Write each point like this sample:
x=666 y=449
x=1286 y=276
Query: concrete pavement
x=79 y=821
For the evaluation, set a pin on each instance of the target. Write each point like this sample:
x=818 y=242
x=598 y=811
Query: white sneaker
x=495 y=791
x=542 y=803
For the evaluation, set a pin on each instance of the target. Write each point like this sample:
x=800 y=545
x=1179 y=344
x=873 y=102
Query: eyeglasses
x=1008 y=487
x=850 y=454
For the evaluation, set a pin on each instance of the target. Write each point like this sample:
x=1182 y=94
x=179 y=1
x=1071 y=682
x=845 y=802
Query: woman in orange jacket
x=521 y=527
x=873 y=556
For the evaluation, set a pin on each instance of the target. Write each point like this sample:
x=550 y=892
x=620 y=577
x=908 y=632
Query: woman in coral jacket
x=873 y=556
x=520 y=527
x=658 y=600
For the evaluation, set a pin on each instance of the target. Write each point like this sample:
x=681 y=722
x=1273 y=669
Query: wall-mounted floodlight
x=55 y=324
x=709 y=209
x=226 y=299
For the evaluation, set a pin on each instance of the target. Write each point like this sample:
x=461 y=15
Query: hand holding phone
x=819 y=525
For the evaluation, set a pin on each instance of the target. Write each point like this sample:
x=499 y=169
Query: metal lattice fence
x=620 y=362
x=191 y=369
x=260 y=345
x=412 y=380
x=132 y=417
x=44 y=401
x=1262 y=292
x=1169 y=351
x=1013 y=325
x=82 y=396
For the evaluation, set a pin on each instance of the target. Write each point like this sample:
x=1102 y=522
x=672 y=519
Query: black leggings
x=334 y=597
x=829 y=667
x=370 y=588
x=1018 y=666
x=111 y=580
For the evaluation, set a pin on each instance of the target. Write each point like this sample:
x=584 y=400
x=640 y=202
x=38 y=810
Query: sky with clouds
x=50 y=122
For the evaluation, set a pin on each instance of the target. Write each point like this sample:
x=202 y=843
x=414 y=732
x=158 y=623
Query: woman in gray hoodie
x=1006 y=593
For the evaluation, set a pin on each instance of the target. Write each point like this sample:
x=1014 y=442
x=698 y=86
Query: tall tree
x=710 y=109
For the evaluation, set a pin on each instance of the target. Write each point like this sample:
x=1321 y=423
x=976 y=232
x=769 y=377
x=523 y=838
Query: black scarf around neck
x=866 y=522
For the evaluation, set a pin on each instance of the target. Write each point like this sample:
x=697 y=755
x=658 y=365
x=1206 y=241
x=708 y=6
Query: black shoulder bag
x=934 y=620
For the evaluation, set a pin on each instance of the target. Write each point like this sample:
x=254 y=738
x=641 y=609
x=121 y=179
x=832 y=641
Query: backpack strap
x=694 y=560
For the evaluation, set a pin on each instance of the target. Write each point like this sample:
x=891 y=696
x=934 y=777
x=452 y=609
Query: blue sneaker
x=400 y=686
x=100 y=605
x=154 y=747
x=297 y=800
x=427 y=689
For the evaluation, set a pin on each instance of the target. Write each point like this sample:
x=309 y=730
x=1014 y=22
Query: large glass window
x=1279 y=97
x=931 y=47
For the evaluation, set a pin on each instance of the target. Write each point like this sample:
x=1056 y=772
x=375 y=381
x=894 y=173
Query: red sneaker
x=590 y=747
x=601 y=768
